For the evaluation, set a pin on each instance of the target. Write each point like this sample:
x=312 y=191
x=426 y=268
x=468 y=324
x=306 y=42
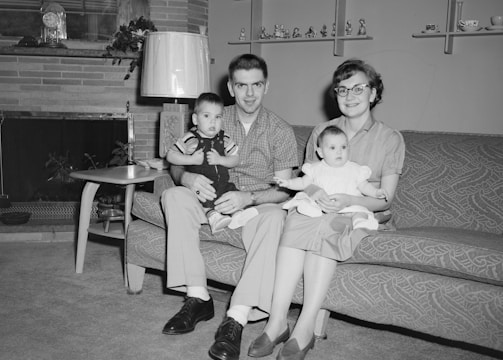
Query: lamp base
x=175 y=121
x=4 y=201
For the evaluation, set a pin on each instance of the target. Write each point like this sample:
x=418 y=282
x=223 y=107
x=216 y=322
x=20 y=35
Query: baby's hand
x=382 y=194
x=281 y=182
x=198 y=157
x=213 y=157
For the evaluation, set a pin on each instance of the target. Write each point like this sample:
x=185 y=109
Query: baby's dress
x=330 y=235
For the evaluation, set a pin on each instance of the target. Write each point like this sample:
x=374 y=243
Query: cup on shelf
x=431 y=28
x=497 y=20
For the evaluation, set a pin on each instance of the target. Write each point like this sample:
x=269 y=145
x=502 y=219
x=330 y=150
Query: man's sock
x=239 y=313
x=199 y=292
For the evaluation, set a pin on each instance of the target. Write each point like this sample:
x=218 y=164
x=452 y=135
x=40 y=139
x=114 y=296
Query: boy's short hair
x=329 y=130
x=208 y=97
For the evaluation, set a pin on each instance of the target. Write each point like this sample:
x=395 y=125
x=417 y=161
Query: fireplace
x=41 y=148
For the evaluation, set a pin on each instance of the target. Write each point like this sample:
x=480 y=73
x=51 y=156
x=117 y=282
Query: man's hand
x=232 y=201
x=213 y=157
x=200 y=185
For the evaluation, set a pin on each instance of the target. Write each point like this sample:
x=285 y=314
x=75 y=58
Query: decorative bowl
x=470 y=28
x=15 y=218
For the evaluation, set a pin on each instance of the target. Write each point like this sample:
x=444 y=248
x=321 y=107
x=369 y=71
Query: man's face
x=248 y=87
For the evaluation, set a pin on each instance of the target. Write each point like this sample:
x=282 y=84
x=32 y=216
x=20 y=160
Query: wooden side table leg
x=84 y=219
x=128 y=204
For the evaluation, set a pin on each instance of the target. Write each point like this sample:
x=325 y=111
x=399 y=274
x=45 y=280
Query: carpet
x=48 y=311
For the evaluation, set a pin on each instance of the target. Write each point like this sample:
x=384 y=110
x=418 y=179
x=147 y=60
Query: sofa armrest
x=162 y=183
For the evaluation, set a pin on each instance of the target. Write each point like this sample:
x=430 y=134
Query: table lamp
x=175 y=65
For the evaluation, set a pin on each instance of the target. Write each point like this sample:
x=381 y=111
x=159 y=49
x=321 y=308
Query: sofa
x=437 y=271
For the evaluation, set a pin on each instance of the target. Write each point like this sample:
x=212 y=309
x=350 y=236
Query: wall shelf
x=340 y=21
x=451 y=32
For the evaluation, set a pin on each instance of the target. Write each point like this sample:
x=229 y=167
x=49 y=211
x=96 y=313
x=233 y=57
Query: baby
x=334 y=174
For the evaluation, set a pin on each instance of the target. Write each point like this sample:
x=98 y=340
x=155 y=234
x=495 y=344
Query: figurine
x=277 y=32
x=334 y=30
x=263 y=34
x=348 y=29
x=363 y=27
x=323 y=31
x=242 y=35
x=311 y=33
x=287 y=34
x=296 y=33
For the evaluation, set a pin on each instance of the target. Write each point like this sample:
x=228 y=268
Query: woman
x=357 y=88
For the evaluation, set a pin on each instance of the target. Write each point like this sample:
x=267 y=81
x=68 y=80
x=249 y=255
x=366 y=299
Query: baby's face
x=208 y=119
x=334 y=149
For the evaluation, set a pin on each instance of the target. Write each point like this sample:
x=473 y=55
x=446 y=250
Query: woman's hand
x=334 y=203
x=200 y=185
x=232 y=201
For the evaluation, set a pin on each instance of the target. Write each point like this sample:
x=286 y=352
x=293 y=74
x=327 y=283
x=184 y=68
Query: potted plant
x=130 y=38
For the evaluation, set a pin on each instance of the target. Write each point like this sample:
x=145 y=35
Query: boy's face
x=208 y=119
x=334 y=149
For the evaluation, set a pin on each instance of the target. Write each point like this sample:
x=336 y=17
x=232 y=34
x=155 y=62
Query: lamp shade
x=175 y=64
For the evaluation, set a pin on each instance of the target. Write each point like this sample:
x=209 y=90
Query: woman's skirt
x=330 y=235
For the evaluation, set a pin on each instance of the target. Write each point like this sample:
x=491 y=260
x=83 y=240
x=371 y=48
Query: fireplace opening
x=38 y=152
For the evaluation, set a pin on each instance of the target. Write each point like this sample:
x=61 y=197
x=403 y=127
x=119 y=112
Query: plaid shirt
x=269 y=146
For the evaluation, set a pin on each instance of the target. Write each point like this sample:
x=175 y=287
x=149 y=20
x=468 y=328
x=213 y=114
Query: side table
x=128 y=175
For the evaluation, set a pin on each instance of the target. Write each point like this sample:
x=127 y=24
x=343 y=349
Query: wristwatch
x=253 y=198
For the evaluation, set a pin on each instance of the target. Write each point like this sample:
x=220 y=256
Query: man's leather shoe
x=227 y=345
x=193 y=311
x=291 y=350
x=263 y=346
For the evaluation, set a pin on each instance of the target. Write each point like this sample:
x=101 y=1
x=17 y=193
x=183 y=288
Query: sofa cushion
x=451 y=252
x=452 y=180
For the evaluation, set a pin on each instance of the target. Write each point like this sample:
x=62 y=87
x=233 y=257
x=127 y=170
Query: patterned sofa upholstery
x=439 y=273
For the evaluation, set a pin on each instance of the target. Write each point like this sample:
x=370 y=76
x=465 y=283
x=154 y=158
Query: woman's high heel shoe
x=291 y=350
x=263 y=346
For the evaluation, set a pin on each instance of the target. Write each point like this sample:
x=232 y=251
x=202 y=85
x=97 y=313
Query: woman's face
x=351 y=105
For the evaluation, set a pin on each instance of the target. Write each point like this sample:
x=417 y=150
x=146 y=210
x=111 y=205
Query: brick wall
x=74 y=84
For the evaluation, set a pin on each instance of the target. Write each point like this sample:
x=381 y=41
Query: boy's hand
x=213 y=157
x=198 y=157
x=281 y=182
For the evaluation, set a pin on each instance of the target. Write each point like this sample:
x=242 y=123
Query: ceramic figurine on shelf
x=311 y=33
x=334 y=30
x=263 y=34
x=348 y=29
x=323 y=31
x=296 y=33
x=277 y=32
x=287 y=34
x=363 y=27
x=242 y=35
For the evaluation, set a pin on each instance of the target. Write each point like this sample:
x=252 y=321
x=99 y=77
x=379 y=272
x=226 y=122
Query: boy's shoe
x=217 y=221
x=241 y=217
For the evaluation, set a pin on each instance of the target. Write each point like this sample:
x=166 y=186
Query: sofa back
x=449 y=180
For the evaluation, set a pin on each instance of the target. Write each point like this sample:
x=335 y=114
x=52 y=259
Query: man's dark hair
x=247 y=62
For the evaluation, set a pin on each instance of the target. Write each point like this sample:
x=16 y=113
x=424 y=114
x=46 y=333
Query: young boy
x=207 y=150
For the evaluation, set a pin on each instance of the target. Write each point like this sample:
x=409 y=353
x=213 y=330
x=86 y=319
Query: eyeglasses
x=356 y=90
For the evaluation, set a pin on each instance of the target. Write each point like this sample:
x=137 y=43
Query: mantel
x=47 y=51
x=20 y=115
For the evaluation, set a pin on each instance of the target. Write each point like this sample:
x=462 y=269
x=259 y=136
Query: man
x=267 y=148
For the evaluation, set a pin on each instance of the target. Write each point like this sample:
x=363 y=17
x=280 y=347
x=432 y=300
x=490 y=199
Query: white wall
x=425 y=89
